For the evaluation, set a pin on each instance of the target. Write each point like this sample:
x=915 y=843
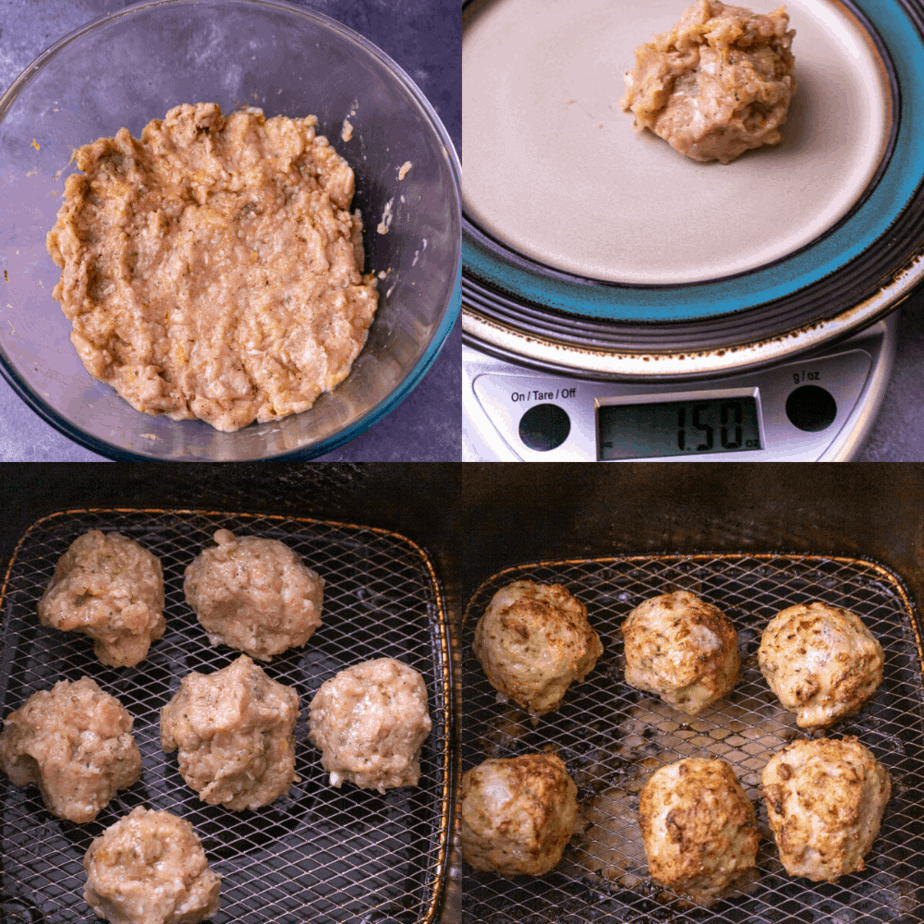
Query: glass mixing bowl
x=133 y=66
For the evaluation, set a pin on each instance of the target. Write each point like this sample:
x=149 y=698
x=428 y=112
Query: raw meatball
x=370 y=722
x=235 y=730
x=110 y=588
x=699 y=828
x=682 y=649
x=75 y=743
x=255 y=595
x=821 y=661
x=150 y=868
x=825 y=801
x=533 y=641
x=718 y=84
x=517 y=814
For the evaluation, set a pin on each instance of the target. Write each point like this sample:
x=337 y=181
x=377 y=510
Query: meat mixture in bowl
x=716 y=85
x=213 y=269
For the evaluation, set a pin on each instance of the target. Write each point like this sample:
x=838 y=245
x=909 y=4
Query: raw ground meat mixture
x=110 y=588
x=370 y=722
x=213 y=269
x=254 y=594
x=716 y=85
x=234 y=730
x=150 y=868
x=75 y=743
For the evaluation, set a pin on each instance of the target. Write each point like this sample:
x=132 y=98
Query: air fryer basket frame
x=344 y=855
x=612 y=737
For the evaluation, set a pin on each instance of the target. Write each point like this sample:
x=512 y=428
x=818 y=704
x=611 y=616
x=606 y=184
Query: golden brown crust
x=518 y=814
x=533 y=641
x=825 y=800
x=681 y=648
x=699 y=828
x=821 y=661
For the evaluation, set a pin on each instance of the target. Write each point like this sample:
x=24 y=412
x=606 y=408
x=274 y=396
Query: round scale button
x=811 y=408
x=544 y=427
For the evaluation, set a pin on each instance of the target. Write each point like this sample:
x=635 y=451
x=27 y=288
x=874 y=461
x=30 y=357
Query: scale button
x=544 y=427
x=811 y=408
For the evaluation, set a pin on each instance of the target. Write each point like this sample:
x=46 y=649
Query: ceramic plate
x=568 y=209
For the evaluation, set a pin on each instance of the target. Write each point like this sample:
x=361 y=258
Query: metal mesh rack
x=319 y=853
x=612 y=738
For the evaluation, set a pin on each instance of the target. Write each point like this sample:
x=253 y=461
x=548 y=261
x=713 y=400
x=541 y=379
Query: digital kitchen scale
x=818 y=407
x=622 y=302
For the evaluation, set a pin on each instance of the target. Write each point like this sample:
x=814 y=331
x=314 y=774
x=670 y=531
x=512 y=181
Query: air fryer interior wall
x=557 y=511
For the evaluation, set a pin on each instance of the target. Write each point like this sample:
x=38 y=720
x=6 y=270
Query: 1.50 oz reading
x=674 y=428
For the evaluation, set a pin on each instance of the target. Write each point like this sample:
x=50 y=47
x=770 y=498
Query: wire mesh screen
x=318 y=853
x=612 y=738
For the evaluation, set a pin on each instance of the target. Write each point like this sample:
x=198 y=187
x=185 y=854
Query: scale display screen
x=678 y=427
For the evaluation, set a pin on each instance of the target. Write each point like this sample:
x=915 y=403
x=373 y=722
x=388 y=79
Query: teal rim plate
x=863 y=258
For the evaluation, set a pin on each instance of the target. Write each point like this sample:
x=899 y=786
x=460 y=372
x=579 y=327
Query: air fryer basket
x=612 y=737
x=319 y=853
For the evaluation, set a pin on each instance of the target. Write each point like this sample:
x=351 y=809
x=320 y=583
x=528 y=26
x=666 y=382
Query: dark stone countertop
x=424 y=37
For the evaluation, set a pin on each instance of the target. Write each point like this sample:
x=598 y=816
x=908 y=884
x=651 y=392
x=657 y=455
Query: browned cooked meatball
x=716 y=85
x=533 y=641
x=821 y=661
x=681 y=648
x=255 y=595
x=150 y=868
x=518 y=814
x=825 y=801
x=111 y=589
x=699 y=828
x=235 y=730
x=75 y=743
x=370 y=722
